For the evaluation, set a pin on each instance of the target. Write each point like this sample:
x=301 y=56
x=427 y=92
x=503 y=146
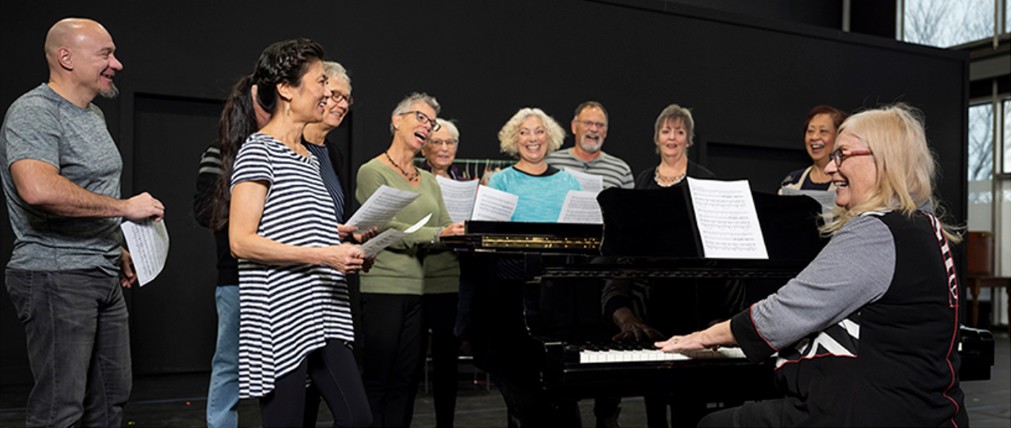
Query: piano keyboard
x=622 y=353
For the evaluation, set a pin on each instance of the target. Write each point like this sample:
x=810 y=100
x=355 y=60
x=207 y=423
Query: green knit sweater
x=413 y=265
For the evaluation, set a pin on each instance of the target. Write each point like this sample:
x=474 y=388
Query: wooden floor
x=179 y=400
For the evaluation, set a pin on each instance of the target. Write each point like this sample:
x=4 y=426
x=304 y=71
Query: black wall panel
x=748 y=78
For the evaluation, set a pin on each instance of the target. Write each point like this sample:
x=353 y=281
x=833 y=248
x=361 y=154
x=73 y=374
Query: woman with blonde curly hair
x=875 y=315
x=529 y=136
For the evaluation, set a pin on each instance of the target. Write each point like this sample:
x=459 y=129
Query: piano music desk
x=993 y=283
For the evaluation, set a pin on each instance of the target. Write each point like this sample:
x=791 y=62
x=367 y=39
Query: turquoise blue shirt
x=541 y=196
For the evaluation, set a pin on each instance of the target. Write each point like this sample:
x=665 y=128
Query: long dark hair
x=237 y=122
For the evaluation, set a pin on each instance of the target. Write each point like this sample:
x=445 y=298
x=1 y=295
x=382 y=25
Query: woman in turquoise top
x=530 y=135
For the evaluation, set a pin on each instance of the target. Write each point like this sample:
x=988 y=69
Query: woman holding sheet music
x=673 y=134
x=530 y=135
x=440 y=299
x=391 y=327
x=875 y=316
x=294 y=316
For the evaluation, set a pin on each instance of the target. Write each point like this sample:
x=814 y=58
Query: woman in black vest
x=866 y=334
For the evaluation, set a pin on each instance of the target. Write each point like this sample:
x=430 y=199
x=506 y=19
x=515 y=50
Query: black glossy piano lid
x=661 y=223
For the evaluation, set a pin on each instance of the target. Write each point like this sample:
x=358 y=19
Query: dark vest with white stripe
x=895 y=361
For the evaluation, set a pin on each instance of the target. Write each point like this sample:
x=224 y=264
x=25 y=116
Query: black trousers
x=439 y=315
x=782 y=412
x=391 y=352
x=334 y=374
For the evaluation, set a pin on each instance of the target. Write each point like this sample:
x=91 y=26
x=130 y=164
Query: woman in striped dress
x=294 y=311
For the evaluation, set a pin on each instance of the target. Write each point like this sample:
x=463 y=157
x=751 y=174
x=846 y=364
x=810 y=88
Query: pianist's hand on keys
x=632 y=352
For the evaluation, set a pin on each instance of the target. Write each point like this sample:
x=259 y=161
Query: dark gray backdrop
x=749 y=73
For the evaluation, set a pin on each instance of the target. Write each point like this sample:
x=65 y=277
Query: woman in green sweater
x=391 y=291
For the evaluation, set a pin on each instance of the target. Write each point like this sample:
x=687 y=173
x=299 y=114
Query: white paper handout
x=727 y=221
x=148 y=243
x=459 y=197
x=389 y=237
x=581 y=207
x=494 y=205
x=381 y=207
x=589 y=182
x=824 y=197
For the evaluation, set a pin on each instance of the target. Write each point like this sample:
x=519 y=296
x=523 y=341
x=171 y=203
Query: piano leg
x=532 y=407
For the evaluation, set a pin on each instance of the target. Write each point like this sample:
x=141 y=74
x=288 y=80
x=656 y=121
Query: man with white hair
x=61 y=172
x=589 y=128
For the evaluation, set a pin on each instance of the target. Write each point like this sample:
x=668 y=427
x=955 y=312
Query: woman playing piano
x=865 y=334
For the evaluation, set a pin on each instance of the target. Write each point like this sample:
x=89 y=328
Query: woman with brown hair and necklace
x=673 y=134
x=391 y=291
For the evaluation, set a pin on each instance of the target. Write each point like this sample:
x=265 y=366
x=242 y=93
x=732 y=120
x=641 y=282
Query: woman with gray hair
x=440 y=152
x=391 y=313
x=530 y=135
x=673 y=134
x=329 y=154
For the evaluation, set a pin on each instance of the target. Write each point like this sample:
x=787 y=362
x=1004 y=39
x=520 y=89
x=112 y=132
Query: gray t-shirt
x=44 y=126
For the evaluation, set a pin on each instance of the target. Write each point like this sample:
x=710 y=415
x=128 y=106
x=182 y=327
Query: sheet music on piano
x=726 y=219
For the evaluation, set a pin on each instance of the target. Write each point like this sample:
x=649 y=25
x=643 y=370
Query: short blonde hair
x=905 y=165
x=509 y=133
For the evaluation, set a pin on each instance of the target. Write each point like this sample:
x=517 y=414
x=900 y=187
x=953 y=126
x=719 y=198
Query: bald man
x=60 y=175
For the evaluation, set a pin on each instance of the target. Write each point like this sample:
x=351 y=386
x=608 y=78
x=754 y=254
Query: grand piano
x=531 y=299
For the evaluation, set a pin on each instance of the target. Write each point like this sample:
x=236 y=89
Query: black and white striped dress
x=285 y=312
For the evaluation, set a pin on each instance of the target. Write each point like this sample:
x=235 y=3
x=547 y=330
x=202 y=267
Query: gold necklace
x=668 y=180
x=412 y=177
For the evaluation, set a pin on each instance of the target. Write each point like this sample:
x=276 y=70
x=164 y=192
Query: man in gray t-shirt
x=61 y=181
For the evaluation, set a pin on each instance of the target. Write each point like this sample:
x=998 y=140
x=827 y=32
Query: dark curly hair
x=283 y=62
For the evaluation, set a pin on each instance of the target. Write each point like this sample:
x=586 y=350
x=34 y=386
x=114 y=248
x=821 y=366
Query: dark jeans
x=334 y=376
x=78 y=346
x=391 y=349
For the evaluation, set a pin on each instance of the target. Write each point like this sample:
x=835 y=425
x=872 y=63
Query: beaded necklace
x=667 y=181
x=412 y=177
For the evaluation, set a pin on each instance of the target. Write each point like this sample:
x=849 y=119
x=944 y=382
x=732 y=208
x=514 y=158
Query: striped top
x=615 y=172
x=285 y=312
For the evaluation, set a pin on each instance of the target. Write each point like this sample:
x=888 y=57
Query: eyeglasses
x=422 y=117
x=447 y=143
x=337 y=97
x=591 y=124
x=838 y=156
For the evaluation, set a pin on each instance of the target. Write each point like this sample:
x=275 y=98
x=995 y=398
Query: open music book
x=467 y=200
